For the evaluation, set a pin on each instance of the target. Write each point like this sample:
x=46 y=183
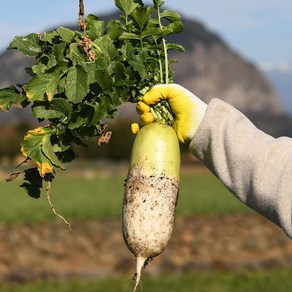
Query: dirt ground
x=96 y=249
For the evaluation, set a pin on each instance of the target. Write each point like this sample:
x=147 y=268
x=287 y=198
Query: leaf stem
x=164 y=48
x=159 y=62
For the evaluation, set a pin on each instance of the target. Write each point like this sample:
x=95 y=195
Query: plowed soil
x=96 y=249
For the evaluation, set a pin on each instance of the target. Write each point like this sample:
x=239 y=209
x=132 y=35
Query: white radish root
x=151 y=193
x=140 y=262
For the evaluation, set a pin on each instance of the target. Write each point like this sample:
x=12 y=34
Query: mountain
x=282 y=82
x=209 y=68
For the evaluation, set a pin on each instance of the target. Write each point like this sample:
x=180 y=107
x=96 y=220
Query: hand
x=188 y=109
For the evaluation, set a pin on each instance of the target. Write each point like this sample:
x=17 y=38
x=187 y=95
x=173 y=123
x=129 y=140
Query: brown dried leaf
x=104 y=138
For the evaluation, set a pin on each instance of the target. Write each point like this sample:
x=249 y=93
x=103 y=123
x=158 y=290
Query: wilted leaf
x=36 y=146
x=33 y=182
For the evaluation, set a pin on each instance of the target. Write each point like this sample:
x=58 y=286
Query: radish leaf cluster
x=79 y=78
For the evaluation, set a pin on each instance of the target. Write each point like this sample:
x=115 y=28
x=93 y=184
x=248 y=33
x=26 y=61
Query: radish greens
x=79 y=78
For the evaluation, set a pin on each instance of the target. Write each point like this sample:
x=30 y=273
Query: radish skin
x=151 y=193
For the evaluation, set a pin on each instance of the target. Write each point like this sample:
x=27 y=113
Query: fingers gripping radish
x=151 y=193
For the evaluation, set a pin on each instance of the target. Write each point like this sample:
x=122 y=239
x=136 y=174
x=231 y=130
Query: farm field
x=97 y=193
x=218 y=244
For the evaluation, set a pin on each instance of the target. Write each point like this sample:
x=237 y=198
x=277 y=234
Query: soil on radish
x=157 y=198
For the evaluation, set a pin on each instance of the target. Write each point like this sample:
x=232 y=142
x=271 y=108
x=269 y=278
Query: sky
x=261 y=30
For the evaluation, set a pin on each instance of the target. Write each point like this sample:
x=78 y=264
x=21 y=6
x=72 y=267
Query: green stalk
x=159 y=62
x=165 y=50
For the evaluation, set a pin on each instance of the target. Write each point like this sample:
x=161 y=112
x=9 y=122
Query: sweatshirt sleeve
x=254 y=166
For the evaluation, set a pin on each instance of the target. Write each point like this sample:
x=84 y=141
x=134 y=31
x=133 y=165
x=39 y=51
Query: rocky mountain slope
x=209 y=68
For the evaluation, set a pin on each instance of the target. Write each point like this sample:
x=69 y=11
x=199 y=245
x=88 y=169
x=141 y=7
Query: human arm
x=254 y=166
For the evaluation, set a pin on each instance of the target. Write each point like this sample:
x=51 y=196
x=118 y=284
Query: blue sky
x=259 y=30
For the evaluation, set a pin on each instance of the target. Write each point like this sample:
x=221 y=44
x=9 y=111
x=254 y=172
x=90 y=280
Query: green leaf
x=47 y=149
x=176 y=26
x=177 y=47
x=99 y=64
x=44 y=111
x=36 y=88
x=141 y=16
x=11 y=96
x=51 y=61
x=66 y=34
x=120 y=74
x=105 y=47
x=76 y=84
x=94 y=28
x=99 y=113
x=43 y=86
x=170 y=15
x=127 y=51
x=139 y=66
x=155 y=32
x=28 y=45
x=61 y=105
x=127 y=6
x=76 y=54
x=38 y=68
x=158 y=3
x=57 y=108
x=82 y=117
x=103 y=79
x=52 y=85
x=114 y=28
x=130 y=36
x=50 y=36
x=58 y=54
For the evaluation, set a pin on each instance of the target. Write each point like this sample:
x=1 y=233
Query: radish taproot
x=151 y=193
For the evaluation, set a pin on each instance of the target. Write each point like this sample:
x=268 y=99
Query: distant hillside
x=209 y=68
x=282 y=81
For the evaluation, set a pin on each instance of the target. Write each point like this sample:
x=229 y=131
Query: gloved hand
x=188 y=109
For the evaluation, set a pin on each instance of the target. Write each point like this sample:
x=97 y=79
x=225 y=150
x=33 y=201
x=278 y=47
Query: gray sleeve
x=254 y=166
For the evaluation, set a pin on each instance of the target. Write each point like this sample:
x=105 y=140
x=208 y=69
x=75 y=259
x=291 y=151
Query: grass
x=256 y=281
x=99 y=194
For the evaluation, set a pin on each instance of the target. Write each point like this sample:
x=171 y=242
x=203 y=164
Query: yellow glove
x=188 y=109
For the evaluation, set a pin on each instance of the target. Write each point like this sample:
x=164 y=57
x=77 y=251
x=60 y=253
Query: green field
x=256 y=281
x=99 y=196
